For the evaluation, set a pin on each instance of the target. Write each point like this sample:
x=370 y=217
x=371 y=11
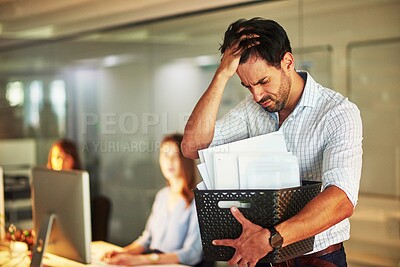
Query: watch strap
x=272 y=230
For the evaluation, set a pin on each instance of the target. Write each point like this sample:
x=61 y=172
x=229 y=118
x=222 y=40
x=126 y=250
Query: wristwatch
x=153 y=257
x=275 y=240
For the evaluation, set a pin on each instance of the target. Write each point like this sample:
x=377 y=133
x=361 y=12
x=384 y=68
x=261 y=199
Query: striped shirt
x=324 y=131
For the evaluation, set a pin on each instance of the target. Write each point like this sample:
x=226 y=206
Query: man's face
x=269 y=86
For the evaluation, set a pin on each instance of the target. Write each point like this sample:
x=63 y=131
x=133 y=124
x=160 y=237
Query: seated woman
x=63 y=155
x=172 y=233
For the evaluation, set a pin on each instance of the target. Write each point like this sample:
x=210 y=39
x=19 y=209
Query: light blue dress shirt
x=175 y=231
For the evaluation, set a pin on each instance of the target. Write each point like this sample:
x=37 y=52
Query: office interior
x=117 y=88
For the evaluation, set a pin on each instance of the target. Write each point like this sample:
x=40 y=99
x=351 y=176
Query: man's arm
x=327 y=209
x=199 y=130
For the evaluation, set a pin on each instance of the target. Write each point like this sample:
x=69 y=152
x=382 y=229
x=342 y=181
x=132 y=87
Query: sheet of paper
x=272 y=142
x=226 y=172
x=208 y=155
x=201 y=156
x=269 y=172
x=204 y=175
x=201 y=186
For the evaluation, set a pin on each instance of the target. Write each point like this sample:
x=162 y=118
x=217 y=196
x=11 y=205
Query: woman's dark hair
x=257 y=36
x=188 y=167
x=69 y=147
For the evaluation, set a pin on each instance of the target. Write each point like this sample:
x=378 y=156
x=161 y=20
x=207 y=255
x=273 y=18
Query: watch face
x=276 y=240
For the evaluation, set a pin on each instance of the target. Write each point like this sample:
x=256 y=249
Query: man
x=321 y=127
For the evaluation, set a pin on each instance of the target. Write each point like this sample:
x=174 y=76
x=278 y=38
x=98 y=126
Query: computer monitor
x=2 y=210
x=61 y=214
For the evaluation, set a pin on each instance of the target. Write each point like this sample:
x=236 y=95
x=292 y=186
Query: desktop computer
x=61 y=214
x=2 y=209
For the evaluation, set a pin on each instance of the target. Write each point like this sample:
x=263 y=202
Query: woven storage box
x=263 y=207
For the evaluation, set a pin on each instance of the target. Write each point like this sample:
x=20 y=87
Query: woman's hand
x=125 y=258
x=108 y=255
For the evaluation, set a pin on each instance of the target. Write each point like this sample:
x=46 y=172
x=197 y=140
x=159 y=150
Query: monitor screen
x=61 y=214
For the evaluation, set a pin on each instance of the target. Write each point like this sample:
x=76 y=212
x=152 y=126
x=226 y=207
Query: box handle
x=226 y=204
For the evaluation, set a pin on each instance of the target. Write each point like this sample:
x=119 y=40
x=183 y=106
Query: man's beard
x=279 y=101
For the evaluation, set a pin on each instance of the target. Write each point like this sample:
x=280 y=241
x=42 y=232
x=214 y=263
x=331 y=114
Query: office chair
x=101 y=210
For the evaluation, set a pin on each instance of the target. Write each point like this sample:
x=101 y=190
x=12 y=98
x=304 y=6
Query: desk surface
x=50 y=260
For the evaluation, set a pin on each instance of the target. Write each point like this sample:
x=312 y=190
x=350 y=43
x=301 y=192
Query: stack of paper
x=260 y=162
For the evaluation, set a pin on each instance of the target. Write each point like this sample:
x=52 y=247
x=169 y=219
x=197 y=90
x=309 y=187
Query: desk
x=98 y=249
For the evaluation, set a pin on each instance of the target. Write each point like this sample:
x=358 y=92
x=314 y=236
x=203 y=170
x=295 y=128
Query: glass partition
x=376 y=93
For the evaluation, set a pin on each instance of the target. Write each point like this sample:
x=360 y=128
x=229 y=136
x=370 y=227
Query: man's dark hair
x=258 y=36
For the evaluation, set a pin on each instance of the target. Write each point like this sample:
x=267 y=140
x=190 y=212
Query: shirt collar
x=310 y=92
x=309 y=96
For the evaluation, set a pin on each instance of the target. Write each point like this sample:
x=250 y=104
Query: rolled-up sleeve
x=342 y=160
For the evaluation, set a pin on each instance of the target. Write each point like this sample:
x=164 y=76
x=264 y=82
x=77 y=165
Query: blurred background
x=116 y=76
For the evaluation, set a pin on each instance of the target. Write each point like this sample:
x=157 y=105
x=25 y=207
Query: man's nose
x=257 y=93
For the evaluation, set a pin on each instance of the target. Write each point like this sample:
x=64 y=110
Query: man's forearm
x=327 y=209
x=199 y=130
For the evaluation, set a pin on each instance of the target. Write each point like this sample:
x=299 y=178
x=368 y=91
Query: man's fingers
x=249 y=42
x=231 y=243
x=236 y=259
x=252 y=263
x=248 y=39
x=238 y=215
x=224 y=242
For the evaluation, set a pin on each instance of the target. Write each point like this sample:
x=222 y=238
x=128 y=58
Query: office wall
x=128 y=88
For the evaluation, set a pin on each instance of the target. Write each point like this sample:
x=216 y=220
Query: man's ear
x=287 y=61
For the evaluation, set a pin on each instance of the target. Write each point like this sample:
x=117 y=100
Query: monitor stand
x=41 y=241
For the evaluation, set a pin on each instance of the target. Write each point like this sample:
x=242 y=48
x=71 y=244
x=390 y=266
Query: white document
x=269 y=172
x=201 y=186
x=204 y=175
x=226 y=171
x=201 y=156
x=227 y=168
x=208 y=156
x=272 y=142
